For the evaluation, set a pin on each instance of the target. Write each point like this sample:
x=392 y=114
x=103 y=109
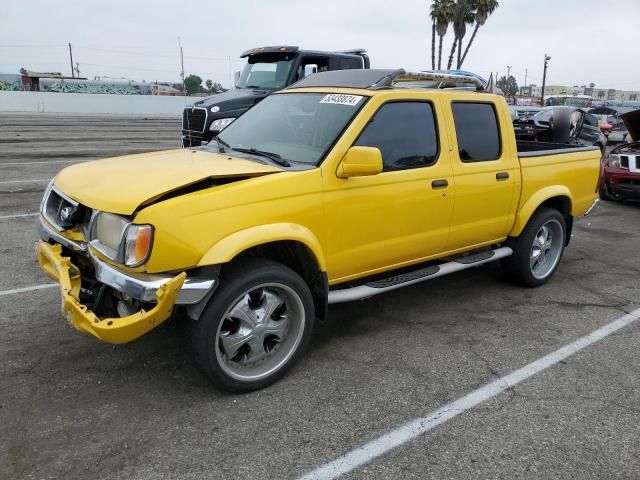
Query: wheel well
x=563 y=205
x=297 y=256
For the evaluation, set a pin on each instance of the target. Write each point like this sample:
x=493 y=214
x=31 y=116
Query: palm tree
x=484 y=8
x=441 y=15
x=433 y=9
x=463 y=13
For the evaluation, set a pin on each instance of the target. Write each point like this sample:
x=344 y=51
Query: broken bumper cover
x=110 y=330
x=141 y=286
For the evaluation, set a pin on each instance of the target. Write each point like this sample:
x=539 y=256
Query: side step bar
x=392 y=283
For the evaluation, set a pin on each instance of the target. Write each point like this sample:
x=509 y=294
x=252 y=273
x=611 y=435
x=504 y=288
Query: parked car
x=535 y=123
x=338 y=188
x=267 y=69
x=621 y=170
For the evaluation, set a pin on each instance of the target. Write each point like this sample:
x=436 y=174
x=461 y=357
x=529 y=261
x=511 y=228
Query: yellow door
x=401 y=215
x=486 y=174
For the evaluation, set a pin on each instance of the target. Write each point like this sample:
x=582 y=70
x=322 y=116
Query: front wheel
x=256 y=325
x=538 y=249
x=603 y=192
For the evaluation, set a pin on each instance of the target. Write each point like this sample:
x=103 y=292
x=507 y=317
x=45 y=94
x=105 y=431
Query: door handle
x=439 y=183
x=502 y=175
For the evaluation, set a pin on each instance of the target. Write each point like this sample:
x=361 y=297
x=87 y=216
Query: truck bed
x=541 y=149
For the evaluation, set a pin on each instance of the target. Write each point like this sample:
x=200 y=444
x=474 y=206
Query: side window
x=477 y=131
x=405 y=133
x=590 y=119
x=310 y=65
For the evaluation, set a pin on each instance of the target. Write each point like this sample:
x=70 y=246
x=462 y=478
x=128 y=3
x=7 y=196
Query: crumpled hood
x=121 y=184
x=632 y=122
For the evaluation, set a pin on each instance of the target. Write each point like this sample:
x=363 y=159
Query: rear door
x=486 y=172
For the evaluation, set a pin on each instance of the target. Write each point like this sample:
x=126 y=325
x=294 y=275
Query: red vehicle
x=621 y=170
x=605 y=127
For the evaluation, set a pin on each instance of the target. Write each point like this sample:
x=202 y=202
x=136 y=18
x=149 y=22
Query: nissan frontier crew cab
x=341 y=187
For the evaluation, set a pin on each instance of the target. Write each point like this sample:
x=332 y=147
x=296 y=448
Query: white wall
x=92 y=103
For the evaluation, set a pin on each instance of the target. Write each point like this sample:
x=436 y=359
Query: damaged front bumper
x=110 y=330
x=140 y=286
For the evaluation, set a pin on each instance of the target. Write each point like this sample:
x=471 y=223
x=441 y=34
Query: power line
x=131 y=53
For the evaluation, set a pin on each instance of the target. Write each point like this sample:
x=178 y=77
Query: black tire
x=603 y=193
x=206 y=335
x=518 y=266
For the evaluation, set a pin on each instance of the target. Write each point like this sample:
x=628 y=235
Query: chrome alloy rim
x=260 y=332
x=546 y=249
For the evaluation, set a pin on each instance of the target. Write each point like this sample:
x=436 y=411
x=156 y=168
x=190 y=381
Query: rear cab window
x=477 y=131
x=405 y=133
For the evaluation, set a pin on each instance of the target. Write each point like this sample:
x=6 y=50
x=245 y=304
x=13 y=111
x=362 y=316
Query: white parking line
x=27 y=181
x=18 y=215
x=27 y=289
x=419 y=426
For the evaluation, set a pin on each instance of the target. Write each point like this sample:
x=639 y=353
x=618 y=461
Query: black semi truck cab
x=267 y=69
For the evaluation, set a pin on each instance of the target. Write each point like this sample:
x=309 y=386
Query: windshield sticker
x=340 y=99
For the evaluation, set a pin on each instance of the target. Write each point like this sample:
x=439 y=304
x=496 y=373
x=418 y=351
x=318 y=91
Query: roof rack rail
x=402 y=76
x=378 y=79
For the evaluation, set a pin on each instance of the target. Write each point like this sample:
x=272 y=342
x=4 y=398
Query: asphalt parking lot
x=72 y=407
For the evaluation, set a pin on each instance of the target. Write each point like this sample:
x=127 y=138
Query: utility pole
x=182 y=67
x=544 y=78
x=71 y=59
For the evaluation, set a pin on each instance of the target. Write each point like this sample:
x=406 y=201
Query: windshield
x=266 y=71
x=299 y=127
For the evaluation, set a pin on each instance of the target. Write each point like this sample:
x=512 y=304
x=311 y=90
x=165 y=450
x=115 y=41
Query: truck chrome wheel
x=546 y=249
x=260 y=332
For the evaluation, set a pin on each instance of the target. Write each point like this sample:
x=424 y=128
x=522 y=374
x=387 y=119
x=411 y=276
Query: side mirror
x=360 y=162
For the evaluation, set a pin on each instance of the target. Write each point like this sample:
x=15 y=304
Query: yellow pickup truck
x=343 y=186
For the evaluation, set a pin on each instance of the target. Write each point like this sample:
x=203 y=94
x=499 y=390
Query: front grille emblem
x=66 y=213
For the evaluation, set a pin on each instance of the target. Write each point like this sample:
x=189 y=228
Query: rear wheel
x=256 y=326
x=538 y=249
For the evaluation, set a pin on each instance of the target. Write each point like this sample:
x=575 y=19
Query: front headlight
x=107 y=231
x=120 y=240
x=613 y=161
x=137 y=244
x=220 y=124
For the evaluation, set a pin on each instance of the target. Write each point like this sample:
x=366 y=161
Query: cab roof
x=292 y=49
x=368 y=78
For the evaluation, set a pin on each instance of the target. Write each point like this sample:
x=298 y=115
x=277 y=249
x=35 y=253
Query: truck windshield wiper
x=222 y=144
x=270 y=155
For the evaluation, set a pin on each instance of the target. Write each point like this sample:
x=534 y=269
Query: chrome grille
x=194 y=119
x=624 y=161
x=61 y=211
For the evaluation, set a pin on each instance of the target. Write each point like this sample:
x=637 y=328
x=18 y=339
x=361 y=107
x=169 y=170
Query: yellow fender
x=534 y=201
x=229 y=247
